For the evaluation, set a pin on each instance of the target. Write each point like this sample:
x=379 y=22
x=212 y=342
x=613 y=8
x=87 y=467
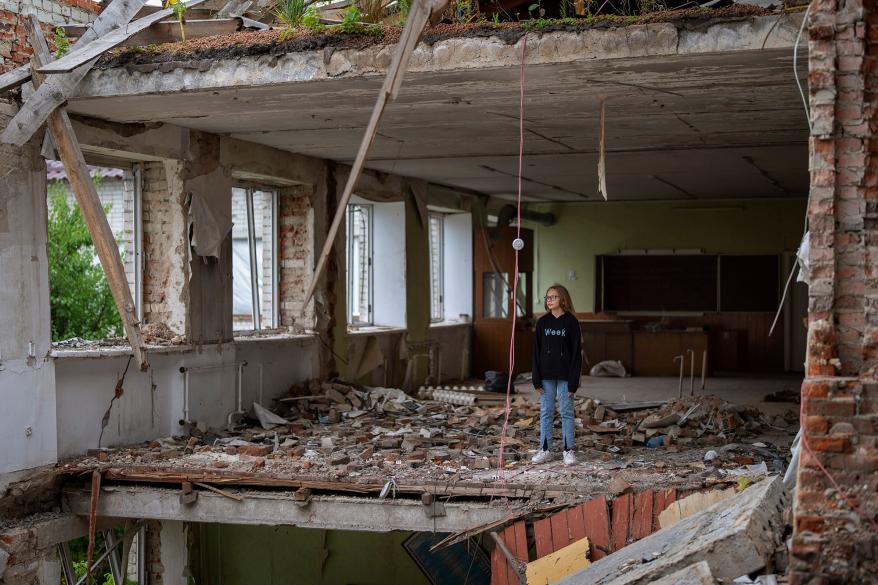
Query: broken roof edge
x=265 y=64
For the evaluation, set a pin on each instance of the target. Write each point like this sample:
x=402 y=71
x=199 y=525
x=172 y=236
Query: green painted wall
x=585 y=230
x=267 y=555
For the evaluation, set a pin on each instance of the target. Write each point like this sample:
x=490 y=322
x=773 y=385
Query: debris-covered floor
x=341 y=438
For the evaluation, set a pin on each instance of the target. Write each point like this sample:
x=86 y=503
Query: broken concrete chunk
x=735 y=536
x=254 y=450
x=697 y=574
x=339 y=458
x=267 y=419
x=336 y=396
x=619 y=486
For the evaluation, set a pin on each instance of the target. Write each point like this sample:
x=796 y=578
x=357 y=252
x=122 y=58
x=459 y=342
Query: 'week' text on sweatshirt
x=558 y=350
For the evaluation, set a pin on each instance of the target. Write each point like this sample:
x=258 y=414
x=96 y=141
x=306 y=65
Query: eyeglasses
x=552 y=298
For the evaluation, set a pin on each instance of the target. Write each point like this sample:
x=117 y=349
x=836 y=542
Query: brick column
x=296 y=264
x=832 y=543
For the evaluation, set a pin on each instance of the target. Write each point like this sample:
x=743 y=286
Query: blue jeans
x=551 y=388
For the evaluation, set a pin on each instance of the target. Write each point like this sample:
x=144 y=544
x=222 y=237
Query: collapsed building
x=244 y=431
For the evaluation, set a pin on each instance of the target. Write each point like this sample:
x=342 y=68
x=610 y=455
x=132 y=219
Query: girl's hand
x=539 y=390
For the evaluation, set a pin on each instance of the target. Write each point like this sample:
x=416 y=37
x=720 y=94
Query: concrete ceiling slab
x=706 y=125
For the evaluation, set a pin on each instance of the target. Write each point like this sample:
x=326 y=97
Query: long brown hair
x=566 y=301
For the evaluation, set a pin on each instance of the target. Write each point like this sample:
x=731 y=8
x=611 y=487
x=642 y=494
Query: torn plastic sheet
x=210 y=217
x=803 y=255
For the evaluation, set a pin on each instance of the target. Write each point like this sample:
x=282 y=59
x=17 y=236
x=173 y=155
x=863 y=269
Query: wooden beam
x=54 y=92
x=219 y=477
x=168 y=31
x=419 y=13
x=14 y=78
x=78 y=57
x=89 y=203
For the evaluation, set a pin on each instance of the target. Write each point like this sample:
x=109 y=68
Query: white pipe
x=185 y=371
x=682 y=359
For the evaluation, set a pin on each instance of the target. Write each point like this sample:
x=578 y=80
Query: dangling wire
x=500 y=463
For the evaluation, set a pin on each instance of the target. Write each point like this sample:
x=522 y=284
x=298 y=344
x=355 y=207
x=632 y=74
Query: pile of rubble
x=341 y=432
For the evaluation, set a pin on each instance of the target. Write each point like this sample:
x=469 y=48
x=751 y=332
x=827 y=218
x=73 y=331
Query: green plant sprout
x=178 y=9
x=311 y=19
x=62 y=43
x=292 y=14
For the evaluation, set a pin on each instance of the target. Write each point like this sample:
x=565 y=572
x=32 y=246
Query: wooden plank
x=621 y=520
x=663 y=499
x=508 y=536
x=642 y=525
x=14 y=78
x=576 y=522
x=89 y=204
x=146 y=474
x=498 y=568
x=169 y=32
x=107 y=41
x=543 y=537
x=55 y=91
x=519 y=548
x=597 y=526
x=560 y=530
x=557 y=565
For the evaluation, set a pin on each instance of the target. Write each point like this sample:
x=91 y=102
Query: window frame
x=369 y=212
x=440 y=217
x=250 y=188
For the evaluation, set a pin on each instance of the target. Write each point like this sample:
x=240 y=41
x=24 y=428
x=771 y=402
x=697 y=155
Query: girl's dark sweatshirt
x=558 y=350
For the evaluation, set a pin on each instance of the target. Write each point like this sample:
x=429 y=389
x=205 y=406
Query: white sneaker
x=542 y=457
x=569 y=458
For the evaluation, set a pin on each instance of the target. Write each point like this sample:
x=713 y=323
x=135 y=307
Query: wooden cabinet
x=654 y=352
x=607 y=340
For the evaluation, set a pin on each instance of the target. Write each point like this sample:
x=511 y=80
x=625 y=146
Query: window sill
x=373 y=329
x=254 y=337
x=450 y=323
x=116 y=351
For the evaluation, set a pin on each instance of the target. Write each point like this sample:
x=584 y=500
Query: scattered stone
x=339 y=458
x=254 y=450
x=619 y=486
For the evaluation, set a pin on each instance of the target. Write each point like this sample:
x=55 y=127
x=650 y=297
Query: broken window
x=81 y=301
x=437 y=267
x=254 y=258
x=359 y=264
x=376 y=281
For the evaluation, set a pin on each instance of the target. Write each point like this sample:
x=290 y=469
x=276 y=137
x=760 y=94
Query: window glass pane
x=263 y=228
x=437 y=308
x=495 y=295
x=359 y=264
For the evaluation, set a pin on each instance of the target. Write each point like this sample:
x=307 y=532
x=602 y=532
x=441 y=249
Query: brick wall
x=832 y=543
x=164 y=249
x=14 y=48
x=296 y=233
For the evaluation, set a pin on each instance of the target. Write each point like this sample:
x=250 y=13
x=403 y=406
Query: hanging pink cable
x=500 y=464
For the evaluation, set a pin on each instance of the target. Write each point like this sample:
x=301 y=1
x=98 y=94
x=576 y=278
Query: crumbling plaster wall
x=27 y=389
x=834 y=539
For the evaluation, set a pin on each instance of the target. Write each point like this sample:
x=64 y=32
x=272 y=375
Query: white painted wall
x=27 y=391
x=388 y=222
x=458 y=262
x=85 y=386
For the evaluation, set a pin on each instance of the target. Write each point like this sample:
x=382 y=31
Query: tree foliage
x=81 y=301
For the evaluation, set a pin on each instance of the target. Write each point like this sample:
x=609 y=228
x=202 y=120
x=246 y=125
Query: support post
x=89 y=203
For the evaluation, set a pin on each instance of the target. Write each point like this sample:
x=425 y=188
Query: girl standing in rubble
x=557 y=366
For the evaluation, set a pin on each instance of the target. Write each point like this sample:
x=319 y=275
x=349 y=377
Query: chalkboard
x=659 y=283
